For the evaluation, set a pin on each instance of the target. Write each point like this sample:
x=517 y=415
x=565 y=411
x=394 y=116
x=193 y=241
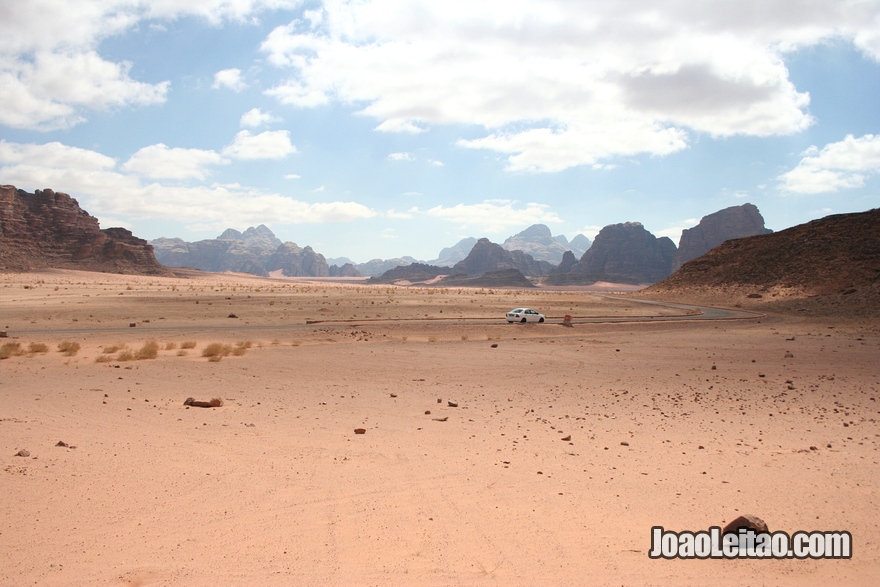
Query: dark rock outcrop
x=49 y=229
x=503 y=278
x=537 y=242
x=412 y=273
x=346 y=270
x=487 y=256
x=294 y=261
x=626 y=253
x=714 y=229
x=375 y=267
x=837 y=255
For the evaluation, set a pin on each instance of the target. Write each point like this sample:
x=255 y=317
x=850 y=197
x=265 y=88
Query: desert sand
x=684 y=425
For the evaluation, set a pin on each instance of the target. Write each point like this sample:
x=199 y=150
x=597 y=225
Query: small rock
x=232 y=316
x=439 y=400
x=747 y=521
x=443 y=419
x=494 y=345
x=23 y=453
x=452 y=404
x=360 y=430
x=813 y=448
x=393 y=395
x=62 y=443
x=427 y=412
x=624 y=443
x=566 y=438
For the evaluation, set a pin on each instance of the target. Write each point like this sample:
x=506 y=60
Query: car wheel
x=541 y=320
x=523 y=320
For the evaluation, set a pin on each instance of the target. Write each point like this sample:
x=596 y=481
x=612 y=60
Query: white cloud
x=493 y=216
x=51 y=73
x=842 y=165
x=398 y=215
x=401 y=157
x=271 y=144
x=256 y=117
x=388 y=233
x=229 y=78
x=106 y=193
x=292 y=176
x=162 y=162
x=557 y=83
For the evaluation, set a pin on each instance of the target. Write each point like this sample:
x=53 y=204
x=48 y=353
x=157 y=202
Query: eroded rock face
x=256 y=251
x=627 y=253
x=537 y=241
x=487 y=256
x=714 y=229
x=49 y=229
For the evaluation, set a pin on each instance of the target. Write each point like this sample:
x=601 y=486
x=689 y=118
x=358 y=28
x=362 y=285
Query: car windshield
x=517 y=311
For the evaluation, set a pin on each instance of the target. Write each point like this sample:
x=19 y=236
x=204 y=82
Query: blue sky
x=383 y=128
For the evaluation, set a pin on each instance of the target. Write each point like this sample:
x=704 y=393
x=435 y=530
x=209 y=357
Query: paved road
x=689 y=313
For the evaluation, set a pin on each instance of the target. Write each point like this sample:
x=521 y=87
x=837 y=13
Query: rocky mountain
x=622 y=253
x=256 y=251
x=833 y=262
x=487 y=256
x=413 y=273
x=537 y=242
x=714 y=229
x=452 y=255
x=49 y=229
x=502 y=278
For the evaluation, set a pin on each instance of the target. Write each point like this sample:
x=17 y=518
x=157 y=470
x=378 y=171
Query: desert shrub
x=103 y=359
x=68 y=348
x=125 y=355
x=10 y=349
x=244 y=344
x=182 y=353
x=432 y=339
x=170 y=346
x=149 y=351
x=37 y=347
x=189 y=344
x=216 y=351
x=113 y=348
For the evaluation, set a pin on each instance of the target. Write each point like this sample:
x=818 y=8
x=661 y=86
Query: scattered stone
x=747 y=521
x=23 y=453
x=494 y=345
x=452 y=404
x=360 y=430
x=232 y=316
x=701 y=447
x=62 y=443
x=443 y=419
x=789 y=355
x=624 y=443
x=132 y=324
x=439 y=400
x=813 y=448
x=393 y=395
x=566 y=438
x=427 y=412
x=755 y=296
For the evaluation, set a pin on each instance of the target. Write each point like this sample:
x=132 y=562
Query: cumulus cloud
x=837 y=166
x=493 y=216
x=558 y=84
x=163 y=162
x=109 y=193
x=256 y=117
x=401 y=157
x=51 y=73
x=272 y=144
x=230 y=79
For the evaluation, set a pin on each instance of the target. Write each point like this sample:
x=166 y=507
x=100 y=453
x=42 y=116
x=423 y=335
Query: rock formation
x=49 y=229
x=487 y=256
x=452 y=255
x=537 y=242
x=835 y=255
x=412 y=273
x=256 y=251
x=626 y=253
x=714 y=229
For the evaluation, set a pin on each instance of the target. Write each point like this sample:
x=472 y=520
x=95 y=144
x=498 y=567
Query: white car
x=524 y=315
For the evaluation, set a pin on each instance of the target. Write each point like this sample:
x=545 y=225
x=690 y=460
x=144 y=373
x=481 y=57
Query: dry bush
x=216 y=351
x=170 y=346
x=109 y=350
x=103 y=359
x=244 y=344
x=37 y=347
x=432 y=339
x=150 y=350
x=189 y=344
x=68 y=348
x=182 y=353
x=125 y=355
x=10 y=349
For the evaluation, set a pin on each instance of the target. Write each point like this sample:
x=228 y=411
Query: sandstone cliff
x=537 y=241
x=626 y=253
x=49 y=229
x=487 y=256
x=714 y=229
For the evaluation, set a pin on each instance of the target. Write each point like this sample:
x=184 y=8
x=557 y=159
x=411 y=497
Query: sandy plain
x=684 y=425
